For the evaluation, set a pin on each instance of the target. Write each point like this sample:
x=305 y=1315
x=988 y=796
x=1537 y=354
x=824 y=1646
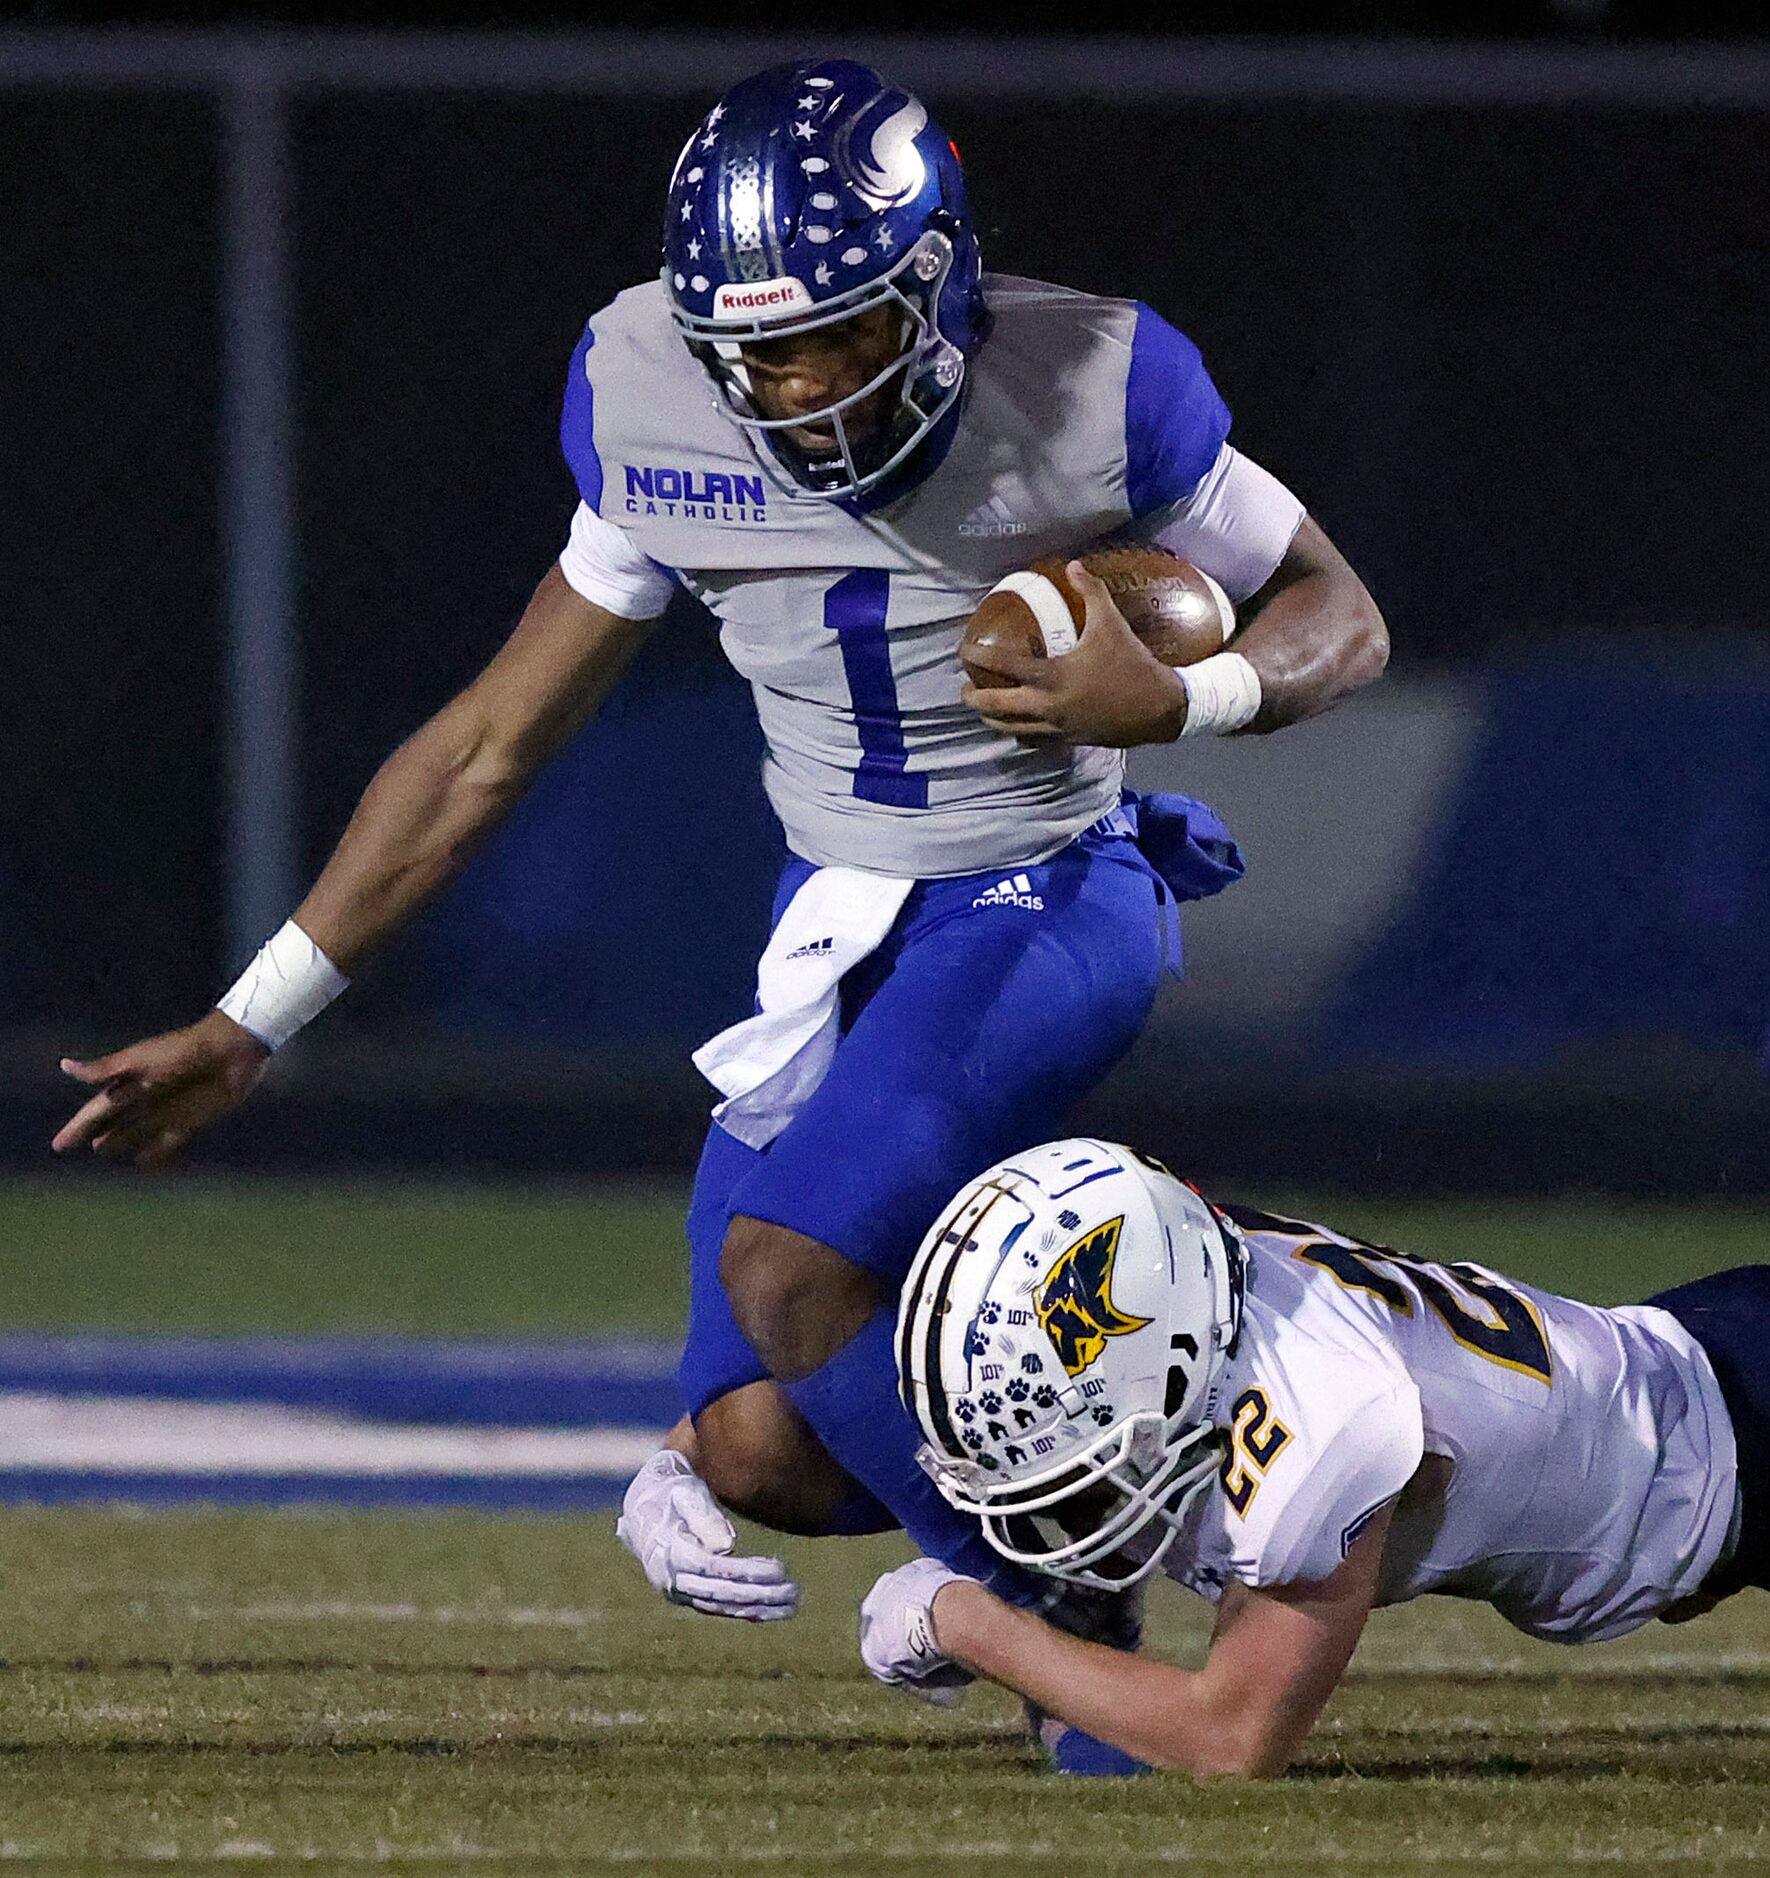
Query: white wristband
x=287 y=985
x=1222 y=694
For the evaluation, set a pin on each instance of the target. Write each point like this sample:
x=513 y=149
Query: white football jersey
x=1591 y=1454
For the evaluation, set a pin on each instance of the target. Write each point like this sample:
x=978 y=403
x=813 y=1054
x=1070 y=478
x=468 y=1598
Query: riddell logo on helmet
x=762 y=296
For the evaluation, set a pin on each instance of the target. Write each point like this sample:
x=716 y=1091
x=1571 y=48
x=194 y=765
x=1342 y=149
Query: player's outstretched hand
x=897 y=1641
x=672 y=1524
x=1110 y=690
x=152 y=1097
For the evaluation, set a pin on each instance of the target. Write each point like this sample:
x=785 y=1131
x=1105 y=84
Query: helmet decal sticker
x=891 y=171
x=1022 y=1425
x=1074 y=1305
x=831 y=179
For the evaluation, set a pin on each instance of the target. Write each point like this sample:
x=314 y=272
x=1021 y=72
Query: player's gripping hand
x=897 y=1641
x=1110 y=690
x=153 y=1096
x=672 y=1524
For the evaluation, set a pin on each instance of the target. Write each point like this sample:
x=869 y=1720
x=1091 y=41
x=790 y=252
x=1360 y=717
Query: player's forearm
x=1314 y=635
x=1164 y=1715
x=428 y=808
x=449 y=784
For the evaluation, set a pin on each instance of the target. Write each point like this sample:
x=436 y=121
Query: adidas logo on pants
x=1015 y=891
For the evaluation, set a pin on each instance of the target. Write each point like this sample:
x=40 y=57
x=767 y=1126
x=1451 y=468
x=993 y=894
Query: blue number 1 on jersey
x=854 y=610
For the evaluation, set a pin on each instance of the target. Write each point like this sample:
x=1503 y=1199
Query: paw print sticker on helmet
x=1135 y=1269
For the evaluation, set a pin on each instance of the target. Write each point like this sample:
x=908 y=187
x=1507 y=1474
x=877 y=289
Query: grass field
x=127 y=1253
x=206 y=1690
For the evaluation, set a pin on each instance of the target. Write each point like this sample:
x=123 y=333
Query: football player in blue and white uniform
x=827 y=422
x=1116 y=1377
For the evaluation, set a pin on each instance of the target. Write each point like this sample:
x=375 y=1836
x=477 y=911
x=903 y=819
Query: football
x=1176 y=609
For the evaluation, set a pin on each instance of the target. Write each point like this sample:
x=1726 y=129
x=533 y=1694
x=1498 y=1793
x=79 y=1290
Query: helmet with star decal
x=811 y=195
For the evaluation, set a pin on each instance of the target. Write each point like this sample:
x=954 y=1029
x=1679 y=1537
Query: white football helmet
x=1062 y=1334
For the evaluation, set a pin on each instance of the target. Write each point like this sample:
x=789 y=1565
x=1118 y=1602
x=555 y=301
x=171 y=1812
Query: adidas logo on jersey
x=813 y=949
x=1016 y=891
x=992 y=519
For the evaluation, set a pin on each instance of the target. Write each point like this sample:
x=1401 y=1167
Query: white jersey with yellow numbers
x=1591 y=1478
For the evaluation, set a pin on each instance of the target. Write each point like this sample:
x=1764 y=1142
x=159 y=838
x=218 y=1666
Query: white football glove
x=897 y=1634
x=672 y=1524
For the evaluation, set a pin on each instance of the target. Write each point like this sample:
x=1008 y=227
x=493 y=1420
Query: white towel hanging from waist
x=768 y=1065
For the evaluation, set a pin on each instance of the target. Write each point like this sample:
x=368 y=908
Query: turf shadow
x=365 y=1666
x=593 y=1745
x=1619 y=1677
x=1599 y=1753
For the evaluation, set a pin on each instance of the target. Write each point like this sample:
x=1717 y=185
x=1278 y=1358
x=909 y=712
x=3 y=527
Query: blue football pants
x=968 y=1036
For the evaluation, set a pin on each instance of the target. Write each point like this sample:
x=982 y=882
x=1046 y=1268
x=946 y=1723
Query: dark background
x=1511 y=356
x=1661 y=20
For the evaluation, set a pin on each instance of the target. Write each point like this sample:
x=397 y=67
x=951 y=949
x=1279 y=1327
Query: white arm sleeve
x=1236 y=524
x=600 y=562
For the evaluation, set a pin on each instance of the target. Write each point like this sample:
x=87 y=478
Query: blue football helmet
x=811 y=193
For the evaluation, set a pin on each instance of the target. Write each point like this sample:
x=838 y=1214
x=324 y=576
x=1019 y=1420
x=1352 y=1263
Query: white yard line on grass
x=516 y=1617
x=154 y=1435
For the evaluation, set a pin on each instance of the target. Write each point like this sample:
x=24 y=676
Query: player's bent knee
x=763 y=1463
x=798 y=1301
x=747 y=1473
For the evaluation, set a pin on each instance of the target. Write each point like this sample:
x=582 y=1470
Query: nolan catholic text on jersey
x=1083 y=418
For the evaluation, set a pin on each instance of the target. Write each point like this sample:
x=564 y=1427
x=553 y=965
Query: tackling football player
x=832 y=428
x=1116 y=1377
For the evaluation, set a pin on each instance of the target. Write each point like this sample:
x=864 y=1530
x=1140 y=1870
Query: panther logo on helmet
x=1075 y=1307
x=1095 y=1476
